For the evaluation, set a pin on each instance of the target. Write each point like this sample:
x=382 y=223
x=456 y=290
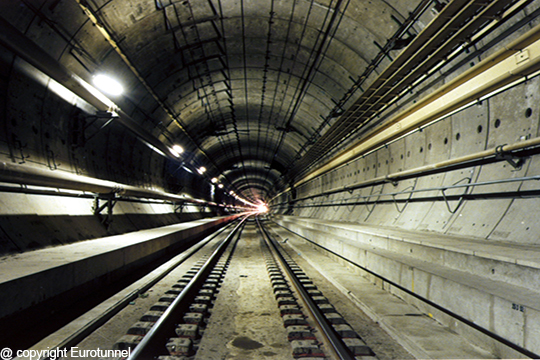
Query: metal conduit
x=490 y=155
x=384 y=52
x=494 y=72
x=28 y=50
x=404 y=66
x=415 y=191
x=27 y=175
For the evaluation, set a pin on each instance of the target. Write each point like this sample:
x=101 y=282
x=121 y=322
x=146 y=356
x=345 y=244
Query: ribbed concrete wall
x=491 y=286
x=507 y=118
x=475 y=257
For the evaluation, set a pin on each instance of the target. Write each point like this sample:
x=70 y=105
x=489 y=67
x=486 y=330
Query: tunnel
x=390 y=146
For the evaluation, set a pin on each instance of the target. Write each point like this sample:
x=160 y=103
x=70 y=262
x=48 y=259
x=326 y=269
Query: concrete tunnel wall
x=48 y=128
x=469 y=256
x=30 y=222
x=507 y=118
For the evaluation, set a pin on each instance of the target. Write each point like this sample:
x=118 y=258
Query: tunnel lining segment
x=494 y=73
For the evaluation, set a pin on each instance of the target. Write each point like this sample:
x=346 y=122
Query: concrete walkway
x=414 y=328
x=32 y=277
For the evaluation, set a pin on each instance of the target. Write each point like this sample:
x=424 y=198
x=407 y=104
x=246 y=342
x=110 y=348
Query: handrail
x=495 y=154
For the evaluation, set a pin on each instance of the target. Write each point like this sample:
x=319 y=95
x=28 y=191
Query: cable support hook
x=515 y=161
x=461 y=197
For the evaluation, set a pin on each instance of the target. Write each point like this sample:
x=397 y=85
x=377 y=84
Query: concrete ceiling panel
x=241 y=77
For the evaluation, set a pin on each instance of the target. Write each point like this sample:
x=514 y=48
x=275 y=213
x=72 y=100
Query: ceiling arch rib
x=246 y=82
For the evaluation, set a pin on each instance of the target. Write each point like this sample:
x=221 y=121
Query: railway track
x=264 y=306
x=246 y=293
x=173 y=327
x=318 y=330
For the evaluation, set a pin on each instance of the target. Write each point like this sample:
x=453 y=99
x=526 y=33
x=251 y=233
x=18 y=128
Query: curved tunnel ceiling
x=244 y=86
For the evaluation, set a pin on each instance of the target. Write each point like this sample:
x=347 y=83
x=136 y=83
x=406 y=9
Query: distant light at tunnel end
x=261 y=208
x=108 y=85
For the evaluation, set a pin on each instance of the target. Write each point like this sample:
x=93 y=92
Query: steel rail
x=164 y=327
x=86 y=330
x=338 y=347
x=496 y=337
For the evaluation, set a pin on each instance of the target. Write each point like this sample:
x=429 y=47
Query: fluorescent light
x=187 y=169
x=176 y=150
x=108 y=85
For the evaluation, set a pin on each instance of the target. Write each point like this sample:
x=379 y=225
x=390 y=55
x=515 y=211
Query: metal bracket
x=18 y=145
x=391 y=181
x=412 y=187
x=110 y=201
x=179 y=207
x=51 y=158
x=109 y=115
x=461 y=199
x=515 y=161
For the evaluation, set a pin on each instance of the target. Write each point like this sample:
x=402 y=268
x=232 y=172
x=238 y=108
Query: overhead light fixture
x=176 y=150
x=187 y=169
x=214 y=180
x=220 y=186
x=108 y=85
x=201 y=170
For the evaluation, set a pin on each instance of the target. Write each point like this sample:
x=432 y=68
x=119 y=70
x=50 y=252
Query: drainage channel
x=314 y=327
x=173 y=326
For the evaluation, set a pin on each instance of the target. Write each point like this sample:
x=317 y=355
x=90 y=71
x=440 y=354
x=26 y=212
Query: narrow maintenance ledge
x=478 y=280
x=33 y=277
